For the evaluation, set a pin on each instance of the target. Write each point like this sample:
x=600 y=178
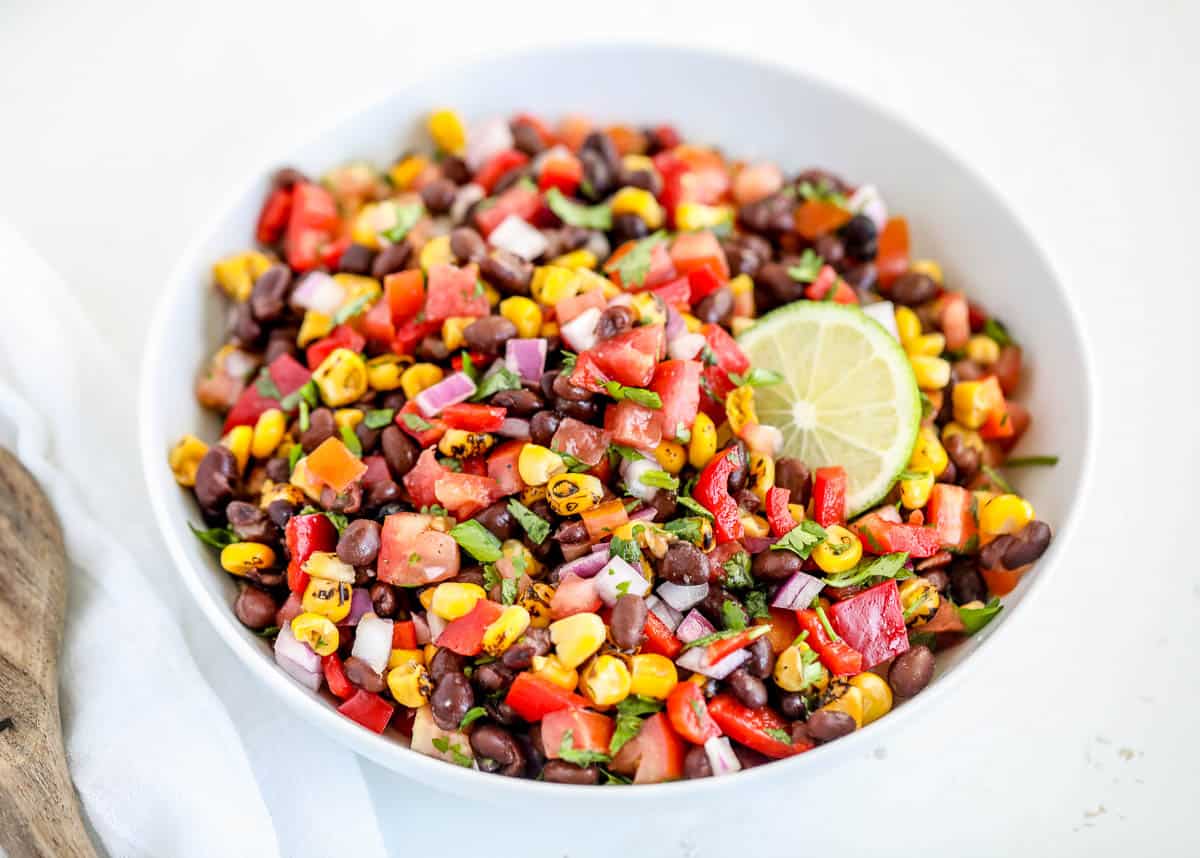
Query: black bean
x=792 y=705
x=562 y=772
x=278 y=470
x=467 y=245
x=911 y=671
x=244 y=329
x=362 y=674
x=497 y=519
x=860 y=237
x=801 y=735
x=825 y=725
x=831 y=250
x=392 y=258
x=383 y=600
x=367 y=437
x=285 y=177
x=356 y=259
x=349 y=501
x=452 y=697
x=713 y=605
x=749 y=689
x=432 y=349
x=495 y=744
x=913 y=288
x=281 y=341
x=280 y=511
x=684 y=563
x=502 y=713
x=250 y=523
x=696 y=764
x=741 y=471
x=966 y=584
x=492 y=677
x=216 y=477
x=716 y=307
x=382 y=493
x=399 y=451
x=628 y=621
x=647 y=180
x=761 y=662
x=438 y=195
x=1030 y=544
x=456 y=170
x=600 y=143
x=489 y=334
x=444 y=663
x=571 y=532
x=520 y=655
x=747 y=500
x=746 y=253
x=255 y=608
x=613 y=321
x=665 y=503
x=564 y=389
x=774 y=279
x=793 y=475
x=520 y=403
x=628 y=227
x=598 y=176
x=359 y=543
x=773 y=214
x=775 y=566
x=526 y=138
x=542 y=427
x=321 y=427
x=587 y=411
x=822 y=179
x=564 y=239
x=938 y=579
x=268 y=298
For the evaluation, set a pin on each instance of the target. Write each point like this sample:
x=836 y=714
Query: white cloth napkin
x=173 y=748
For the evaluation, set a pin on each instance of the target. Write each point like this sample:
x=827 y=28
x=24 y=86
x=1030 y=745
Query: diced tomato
x=654 y=755
x=574 y=595
x=342 y=337
x=410 y=333
x=659 y=638
x=691 y=174
x=951 y=512
x=564 y=172
x=688 y=714
x=335 y=677
x=661 y=268
x=702 y=282
x=497 y=166
x=828 y=279
x=465 y=635
x=872 y=622
x=676 y=294
x=454 y=291
x=303 y=535
x=273 y=218
x=784 y=629
x=502 y=467
x=633 y=425
x=476 y=466
x=377 y=325
x=568 y=308
x=312 y=222
x=465 y=494
x=590 y=731
x=331 y=253
x=1019 y=417
x=627 y=139
x=602 y=520
x=815 y=218
x=533 y=698
x=884 y=537
x=368 y=709
x=585 y=442
x=755 y=728
x=725 y=349
x=405 y=293
x=288 y=374
x=573 y=129
x=954 y=320
x=411 y=555
x=520 y=200
x=422 y=480
x=404 y=634
x=1007 y=369
x=629 y=358
x=692 y=252
x=425 y=430
x=677 y=383
x=756 y=181
x=474 y=417
x=891 y=257
x=715 y=385
x=837 y=655
x=829 y=496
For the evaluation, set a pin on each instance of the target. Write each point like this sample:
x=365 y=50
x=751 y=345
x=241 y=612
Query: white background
x=123 y=125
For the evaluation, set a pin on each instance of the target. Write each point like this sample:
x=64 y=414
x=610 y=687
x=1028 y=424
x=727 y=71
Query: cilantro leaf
x=379 y=418
x=694 y=506
x=477 y=541
x=455 y=751
x=756 y=377
x=568 y=361
x=508 y=590
x=266 y=385
x=468 y=365
x=808 y=268
x=214 y=537
x=997 y=480
x=659 y=480
x=613 y=779
x=577 y=214
x=627 y=453
x=646 y=398
x=715 y=636
x=501 y=379
x=416 y=423
x=733 y=616
x=996 y=330
x=887 y=566
x=737 y=572
x=491 y=576
x=635 y=264
x=406 y=218
x=629 y=719
x=779 y=735
x=537 y=528
x=756 y=605
x=689 y=528
x=305 y=396
x=294 y=454
x=627 y=550
x=351 y=441
x=976 y=618
x=568 y=752
x=434 y=509
x=268 y=632
x=801 y=540
x=821 y=191
x=471 y=716
x=349 y=311
x=574 y=464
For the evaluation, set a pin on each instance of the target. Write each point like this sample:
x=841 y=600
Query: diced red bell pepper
x=533 y=698
x=951 y=513
x=688 y=713
x=475 y=466
x=303 y=535
x=502 y=467
x=342 y=337
x=702 y=282
x=885 y=537
x=665 y=137
x=725 y=349
x=659 y=638
x=677 y=383
x=564 y=172
x=779 y=517
x=629 y=358
x=872 y=622
x=497 y=166
x=465 y=635
x=474 y=417
x=715 y=386
x=312 y=224
x=590 y=731
x=331 y=251
x=368 y=709
x=675 y=293
x=837 y=655
x=454 y=291
x=891 y=256
x=404 y=634
x=425 y=430
x=828 y=279
x=723 y=647
x=273 y=218
x=288 y=374
x=521 y=200
x=335 y=677
x=692 y=252
x=757 y=729
x=829 y=495
x=409 y=333
x=404 y=292
x=712 y=491
x=654 y=755
x=377 y=325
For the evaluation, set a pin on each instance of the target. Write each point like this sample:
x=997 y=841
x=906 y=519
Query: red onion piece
x=298 y=653
x=580 y=333
x=694 y=626
x=421 y=629
x=671 y=618
x=360 y=603
x=867 y=200
x=686 y=346
x=486 y=139
x=721 y=758
x=373 y=641
x=466 y=197
x=527 y=358
x=586 y=566
x=696 y=660
x=757 y=544
x=645 y=513
x=675 y=324
x=681 y=597
x=319 y=292
x=617 y=578
x=797 y=592
x=436 y=625
x=307 y=678
x=516 y=236
x=514 y=427
x=451 y=390
x=574 y=552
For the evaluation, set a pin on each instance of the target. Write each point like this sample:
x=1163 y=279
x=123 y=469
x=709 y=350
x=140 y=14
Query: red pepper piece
x=886 y=537
x=473 y=417
x=688 y=714
x=829 y=496
x=718 y=649
x=712 y=491
x=836 y=654
x=342 y=337
x=759 y=729
x=273 y=219
x=659 y=639
x=778 y=514
x=404 y=634
x=304 y=535
x=872 y=622
x=500 y=163
x=335 y=677
x=368 y=709
x=533 y=698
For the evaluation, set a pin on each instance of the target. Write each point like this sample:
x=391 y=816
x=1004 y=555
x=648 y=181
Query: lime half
x=848 y=396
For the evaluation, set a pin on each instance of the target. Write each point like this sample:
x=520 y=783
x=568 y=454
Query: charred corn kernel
x=327 y=566
x=436 y=252
x=240 y=558
x=429 y=650
x=347 y=418
x=632 y=163
x=185 y=457
x=305 y=481
x=341 y=378
x=576 y=260
x=504 y=632
x=239 y=441
x=741 y=284
x=929 y=268
x=418 y=377
x=648 y=535
x=846 y=698
x=570 y=494
x=983 y=349
x=549 y=329
x=692 y=216
x=798 y=512
x=671 y=456
x=576 y=637
x=929 y=345
x=876 y=696
x=521 y=557
x=970 y=436
x=760 y=474
x=454 y=599
x=537 y=465
x=447 y=130
x=1005 y=514
x=640 y=202
x=523 y=313
x=383 y=372
x=268 y=432
x=692 y=324
x=399 y=657
x=740 y=324
x=649 y=308
x=410 y=684
x=739 y=408
x=919 y=599
x=799 y=669
x=489 y=292
x=605 y=681
x=928 y=453
x=537 y=603
x=317 y=631
x=754 y=525
x=314 y=326
x=703 y=445
x=932 y=373
x=531 y=494
x=426 y=598
x=549 y=668
x=840 y=551
x=652 y=675
x=358 y=286
x=452 y=331
x=405 y=170
x=972 y=403
x=701 y=535
x=914 y=492
x=328 y=598
x=461 y=444
x=272 y=492
x=235 y=274
x=908 y=324
x=552 y=283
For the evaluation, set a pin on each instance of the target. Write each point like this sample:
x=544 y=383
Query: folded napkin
x=162 y=766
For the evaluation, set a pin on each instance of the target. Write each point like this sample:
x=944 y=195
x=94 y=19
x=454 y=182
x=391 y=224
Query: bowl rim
x=435 y=772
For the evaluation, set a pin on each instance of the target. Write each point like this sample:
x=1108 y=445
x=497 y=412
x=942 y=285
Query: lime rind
x=849 y=381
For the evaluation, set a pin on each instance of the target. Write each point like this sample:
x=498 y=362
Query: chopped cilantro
x=976 y=618
x=627 y=550
x=995 y=329
x=997 y=480
x=1031 y=461
x=574 y=464
x=887 y=566
x=623 y=588
x=733 y=616
x=468 y=365
x=808 y=268
x=568 y=361
x=801 y=540
x=756 y=604
x=690 y=529
x=294 y=454
x=737 y=572
x=693 y=505
x=268 y=632
x=537 y=528
x=416 y=423
x=821 y=192
x=629 y=719
x=913 y=475
x=266 y=385
x=348 y=311
x=215 y=537
x=477 y=541
x=472 y=715
x=455 y=751
x=305 y=422
x=647 y=398
x=715 y=636
x=450 y=464
x=351 y=441
x=434 y=509
x=779 y=735
x=508 y=590
x=659 y=480
x=379 y=418
x=568 y=752
x=757 y=377
x=577 y=214
x=620 y=450
x=491 y=576
x=406 y=218
x=635 y=264
x=613 y=779
x=502 y=379
x=304 y=396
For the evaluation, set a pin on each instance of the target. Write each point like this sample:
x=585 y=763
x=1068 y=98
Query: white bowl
x=750 y=110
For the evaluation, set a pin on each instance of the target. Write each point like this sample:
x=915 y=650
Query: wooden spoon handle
x=39 y=811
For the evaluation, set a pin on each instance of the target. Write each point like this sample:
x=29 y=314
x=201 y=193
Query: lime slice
x=848 y=396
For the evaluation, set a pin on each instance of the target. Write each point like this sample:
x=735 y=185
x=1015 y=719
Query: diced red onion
x=757 y=544
x=671 y=618
x=319 y=292
x=602 y=546
x=309 y=679
x=586 y=566
x=645 y=513
x=580 y=332
x=514 y=427
x=889 y=513
x=682 y=596
x=574 y=552
x=867 y=201
x=486 y=139
x=526 y=357
x=466 y=197
x=618 y=577
x=884 y=313
x=297 y=652
x=239 y=364
x=696 y=660
x=360 y=603
x=516 y=236
x=797 y=592
x=421 y=629
x=451 y=390
x=675 y=324
x=685 y=346
x=373 y=641
x=597 y=245
x=721 y=758
x=694 y=626
x=631 y=473
x=436 y=625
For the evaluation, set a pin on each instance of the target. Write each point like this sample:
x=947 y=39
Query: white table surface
x=123 y=124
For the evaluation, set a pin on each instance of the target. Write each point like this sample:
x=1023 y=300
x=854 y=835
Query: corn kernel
x=932 y=373
x=576 y=260
x=235 y=274
x=425 y=597
x=983 y=349
x=328 y=598
x=738 y=325
x=914 y=492
x=317 y=631
x=327 y=566
x=929 y=345
x=238 y=441
x=798 y=512
x=537 y=603
x=840 y=551
x=1005 y=514
x=929 y=268
x=741 y=284
x=754 y=525
x=272 y=491
x=649 y=308
x=523 y=313
x=410 y=684
x=305 y=481
x=703 y=445
x=848 y=699
x=403 y=172
x=605 y=681
x=549 y=329
x=532 y=494
x=551 y=284
x=454 y=599
x=739 y=408
x=692 y=324
x=928 y=453
x=418 y=377
x=639 y=202
x=506 y=630
x=799 y=669
x=314 y=326
x=452 y=331
x=652 y=675
x=693 y=216
x=919 y=600
x=399 y=657
x=570 y=494
x=185 y=457
x=240 y=558
x=347 y=418
x=358 y=286
x=521 y=557
x=549 y=668
x=537 y=465
x=461 y=444
x=383 y=372
x=447 y=130
x=436 y=252
x=341 y=378
x=268 y=432
x=633 y=163
x=908 y=324
x=576 y=637
x=760 y=474
x=671 y=456
x=970 y=436
x=876 y=694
